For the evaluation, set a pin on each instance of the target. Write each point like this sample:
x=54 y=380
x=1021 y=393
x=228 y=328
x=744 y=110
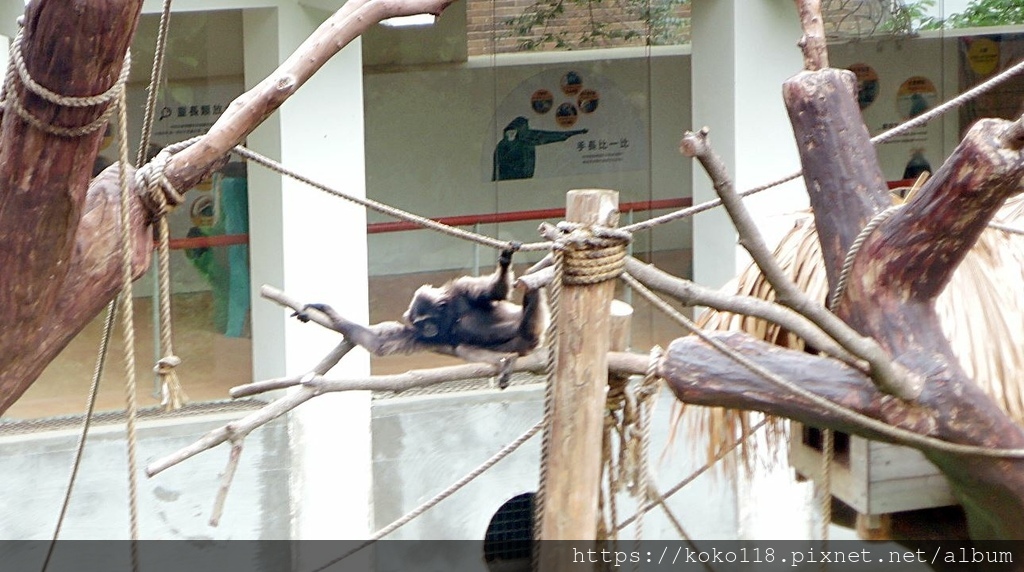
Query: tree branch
x=56 y=231
x=917 y=250
x=313 y=384
x=248 y=111
x=890 y=376
x=813 y=43
x=844 y=181
x=692 y=294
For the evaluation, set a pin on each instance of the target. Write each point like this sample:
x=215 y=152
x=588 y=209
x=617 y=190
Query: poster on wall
x=982 y=57
x=217 y=206
x=564 y=122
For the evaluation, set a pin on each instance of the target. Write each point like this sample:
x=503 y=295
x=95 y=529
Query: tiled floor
x=212 y=362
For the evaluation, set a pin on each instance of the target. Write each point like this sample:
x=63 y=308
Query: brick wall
x=581 y=24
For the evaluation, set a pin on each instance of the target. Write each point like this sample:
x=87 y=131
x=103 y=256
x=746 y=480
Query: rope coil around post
x=590 y=255
x=16 y=70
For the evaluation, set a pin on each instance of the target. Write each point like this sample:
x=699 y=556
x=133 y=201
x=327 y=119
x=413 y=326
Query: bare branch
x=718 y=380
x=397 y=382
x=695 y=295
x=813 y=42
x=890 y=376
x=537 y=279
x=225 y=484
x=916 y=251
x=250 y=109
x=238 y=430
x=310 y=386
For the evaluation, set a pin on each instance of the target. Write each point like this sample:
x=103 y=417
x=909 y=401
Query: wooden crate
x=875 y=479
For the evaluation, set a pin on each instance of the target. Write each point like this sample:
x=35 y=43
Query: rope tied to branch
x=161 y=197
x=17 y=70
x=591 y=254
x=159 y=194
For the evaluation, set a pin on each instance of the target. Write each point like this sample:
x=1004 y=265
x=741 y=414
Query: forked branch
x=313 y=383
x=890 y=377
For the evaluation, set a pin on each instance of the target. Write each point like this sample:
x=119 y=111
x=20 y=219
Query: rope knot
x=159 y=195
x=166 y=365
x=591 y=254
x=173 y=396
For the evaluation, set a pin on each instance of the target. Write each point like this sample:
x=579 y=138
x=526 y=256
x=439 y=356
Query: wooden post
x=573 y=472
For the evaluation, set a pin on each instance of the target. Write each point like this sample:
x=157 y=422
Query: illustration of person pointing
x=515 y=156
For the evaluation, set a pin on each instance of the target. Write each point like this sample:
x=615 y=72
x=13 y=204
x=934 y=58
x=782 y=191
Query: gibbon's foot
x=505 y=375
x=304 y=317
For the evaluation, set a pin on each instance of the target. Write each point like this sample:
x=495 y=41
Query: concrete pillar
x=314 y=247
x=742 y=52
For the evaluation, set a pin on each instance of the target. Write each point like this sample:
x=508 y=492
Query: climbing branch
x=692 y=294
x=60 y=229
x=313 y=383
x=923 y=243
x=701 y=374
x=236 y=431
x=58 y=233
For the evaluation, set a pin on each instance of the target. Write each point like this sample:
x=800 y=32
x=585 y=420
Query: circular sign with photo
x=867 y=84
x=915 y=96
x=542 y=101
x=588 y=100
x=572 y=83
x=566 y=115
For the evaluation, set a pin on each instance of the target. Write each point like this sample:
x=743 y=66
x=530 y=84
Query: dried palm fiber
x=981 y=312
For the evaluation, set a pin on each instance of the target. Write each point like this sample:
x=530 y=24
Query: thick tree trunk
x=59 y=265
x=897 y=274
x=59 y=235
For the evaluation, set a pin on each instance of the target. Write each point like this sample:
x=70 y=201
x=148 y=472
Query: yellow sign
x=983 y=55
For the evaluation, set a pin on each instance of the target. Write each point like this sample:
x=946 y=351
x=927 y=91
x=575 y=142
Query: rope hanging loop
x=591 y=254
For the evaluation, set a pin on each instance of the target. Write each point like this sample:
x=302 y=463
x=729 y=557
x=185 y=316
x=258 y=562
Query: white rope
x=851 y=255
x=957 y=101
x=880 y=138
x=127 y=319
x=433 y=501
x=160 y=51
x=389 y=210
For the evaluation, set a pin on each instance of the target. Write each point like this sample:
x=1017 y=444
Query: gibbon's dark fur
x=467 y=312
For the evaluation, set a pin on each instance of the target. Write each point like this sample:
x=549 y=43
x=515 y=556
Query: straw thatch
x=981 y=313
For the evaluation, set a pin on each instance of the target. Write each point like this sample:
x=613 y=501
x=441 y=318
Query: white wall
x=428 y=127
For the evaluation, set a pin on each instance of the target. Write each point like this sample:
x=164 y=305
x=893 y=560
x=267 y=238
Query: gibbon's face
x=425 y=311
